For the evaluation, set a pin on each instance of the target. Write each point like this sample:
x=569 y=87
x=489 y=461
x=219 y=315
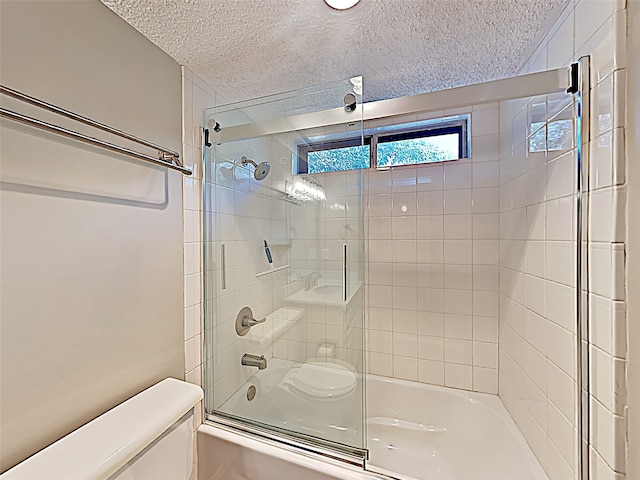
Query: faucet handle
x=249 y=321
x=245 y=320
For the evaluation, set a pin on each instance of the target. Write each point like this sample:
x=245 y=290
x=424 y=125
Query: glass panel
x=472 y=295
x=277 y=244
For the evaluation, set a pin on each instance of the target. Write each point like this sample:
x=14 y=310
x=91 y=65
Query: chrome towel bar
x=166 y=157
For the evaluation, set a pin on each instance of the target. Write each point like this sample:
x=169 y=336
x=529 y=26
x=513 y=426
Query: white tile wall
x=432 y=266
x=196 y=95
x=537 y=245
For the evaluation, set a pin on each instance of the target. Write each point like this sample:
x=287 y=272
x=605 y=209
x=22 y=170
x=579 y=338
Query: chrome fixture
x=213 y=125
x=261 y=169
x=345 y=272
x=350 y=102
x=165 y=157
x=249 y=360
x=245 y=320
x=251 y=393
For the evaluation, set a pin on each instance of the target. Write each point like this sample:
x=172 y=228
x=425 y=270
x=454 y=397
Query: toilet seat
x=323 y=380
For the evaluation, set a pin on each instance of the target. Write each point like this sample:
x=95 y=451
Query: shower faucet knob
x=248 y=321
x=245 y=320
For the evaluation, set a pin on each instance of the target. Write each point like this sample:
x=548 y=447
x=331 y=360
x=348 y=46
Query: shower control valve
x=245 y=320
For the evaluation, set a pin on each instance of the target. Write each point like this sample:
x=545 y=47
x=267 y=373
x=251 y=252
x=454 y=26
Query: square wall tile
x=431 y=372
x=405 y=368
x=458 y=376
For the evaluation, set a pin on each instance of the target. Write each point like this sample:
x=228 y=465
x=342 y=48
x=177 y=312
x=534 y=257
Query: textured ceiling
x=251 y=48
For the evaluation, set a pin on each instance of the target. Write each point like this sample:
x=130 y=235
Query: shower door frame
x=571 y=80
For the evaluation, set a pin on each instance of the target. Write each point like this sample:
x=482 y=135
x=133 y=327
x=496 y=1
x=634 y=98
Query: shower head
x=262 y=169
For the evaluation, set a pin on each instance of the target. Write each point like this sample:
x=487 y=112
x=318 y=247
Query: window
x=349 y=154
x=414 y=143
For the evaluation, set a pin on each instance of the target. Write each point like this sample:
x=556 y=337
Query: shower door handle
x=344 y=272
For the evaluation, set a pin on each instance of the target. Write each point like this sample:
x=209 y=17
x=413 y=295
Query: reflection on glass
x=554 y=136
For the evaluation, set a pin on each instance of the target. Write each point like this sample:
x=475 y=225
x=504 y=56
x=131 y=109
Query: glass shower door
x=284 y=306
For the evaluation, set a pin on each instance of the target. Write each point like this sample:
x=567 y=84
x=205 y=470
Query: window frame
x=459 y=124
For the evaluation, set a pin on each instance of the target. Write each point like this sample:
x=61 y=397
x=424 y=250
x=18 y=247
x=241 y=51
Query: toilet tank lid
x=101 y=447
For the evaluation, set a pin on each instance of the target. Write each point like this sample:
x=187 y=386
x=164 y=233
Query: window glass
x=337 y=159
x=427 y=141
x=437 y=148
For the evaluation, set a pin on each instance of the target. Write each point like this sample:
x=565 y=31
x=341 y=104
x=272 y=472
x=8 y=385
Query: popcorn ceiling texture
x=251 y=48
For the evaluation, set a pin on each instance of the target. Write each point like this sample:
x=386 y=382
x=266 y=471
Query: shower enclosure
x=499 y=339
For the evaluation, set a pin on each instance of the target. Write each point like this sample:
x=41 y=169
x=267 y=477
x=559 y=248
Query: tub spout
x=249 y=360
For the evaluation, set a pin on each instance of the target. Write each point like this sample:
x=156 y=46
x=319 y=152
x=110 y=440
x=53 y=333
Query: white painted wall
x=91 y=242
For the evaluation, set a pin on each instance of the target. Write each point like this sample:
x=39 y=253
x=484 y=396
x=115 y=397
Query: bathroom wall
x=537 y=249
x=432 y=253
x=91 y=241
x=633 y=240
x=196 y=96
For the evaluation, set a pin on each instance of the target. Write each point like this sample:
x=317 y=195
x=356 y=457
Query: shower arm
x=244 y=160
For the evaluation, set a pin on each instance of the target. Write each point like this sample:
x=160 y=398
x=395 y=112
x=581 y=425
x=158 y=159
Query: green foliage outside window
x=337 y=159
x=402 y=152
x=418 y=150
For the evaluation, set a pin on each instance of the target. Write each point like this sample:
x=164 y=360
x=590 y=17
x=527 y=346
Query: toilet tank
x=150 y=436
x=170 y=457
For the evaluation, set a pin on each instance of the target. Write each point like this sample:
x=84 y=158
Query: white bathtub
x=224 y=455
x=436 y=433
x=414 y=431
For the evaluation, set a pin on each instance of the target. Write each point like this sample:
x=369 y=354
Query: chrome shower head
x=261 y=169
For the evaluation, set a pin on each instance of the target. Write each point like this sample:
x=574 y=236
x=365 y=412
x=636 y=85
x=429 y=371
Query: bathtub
x=426 y=432
x=414 y=431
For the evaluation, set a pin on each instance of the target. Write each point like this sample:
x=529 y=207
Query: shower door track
x=540 y=83
x=291 y=440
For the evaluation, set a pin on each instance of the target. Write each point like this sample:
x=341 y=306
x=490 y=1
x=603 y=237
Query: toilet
x=150 y=436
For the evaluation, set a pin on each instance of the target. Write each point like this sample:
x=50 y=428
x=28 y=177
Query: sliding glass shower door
x=284 y=288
